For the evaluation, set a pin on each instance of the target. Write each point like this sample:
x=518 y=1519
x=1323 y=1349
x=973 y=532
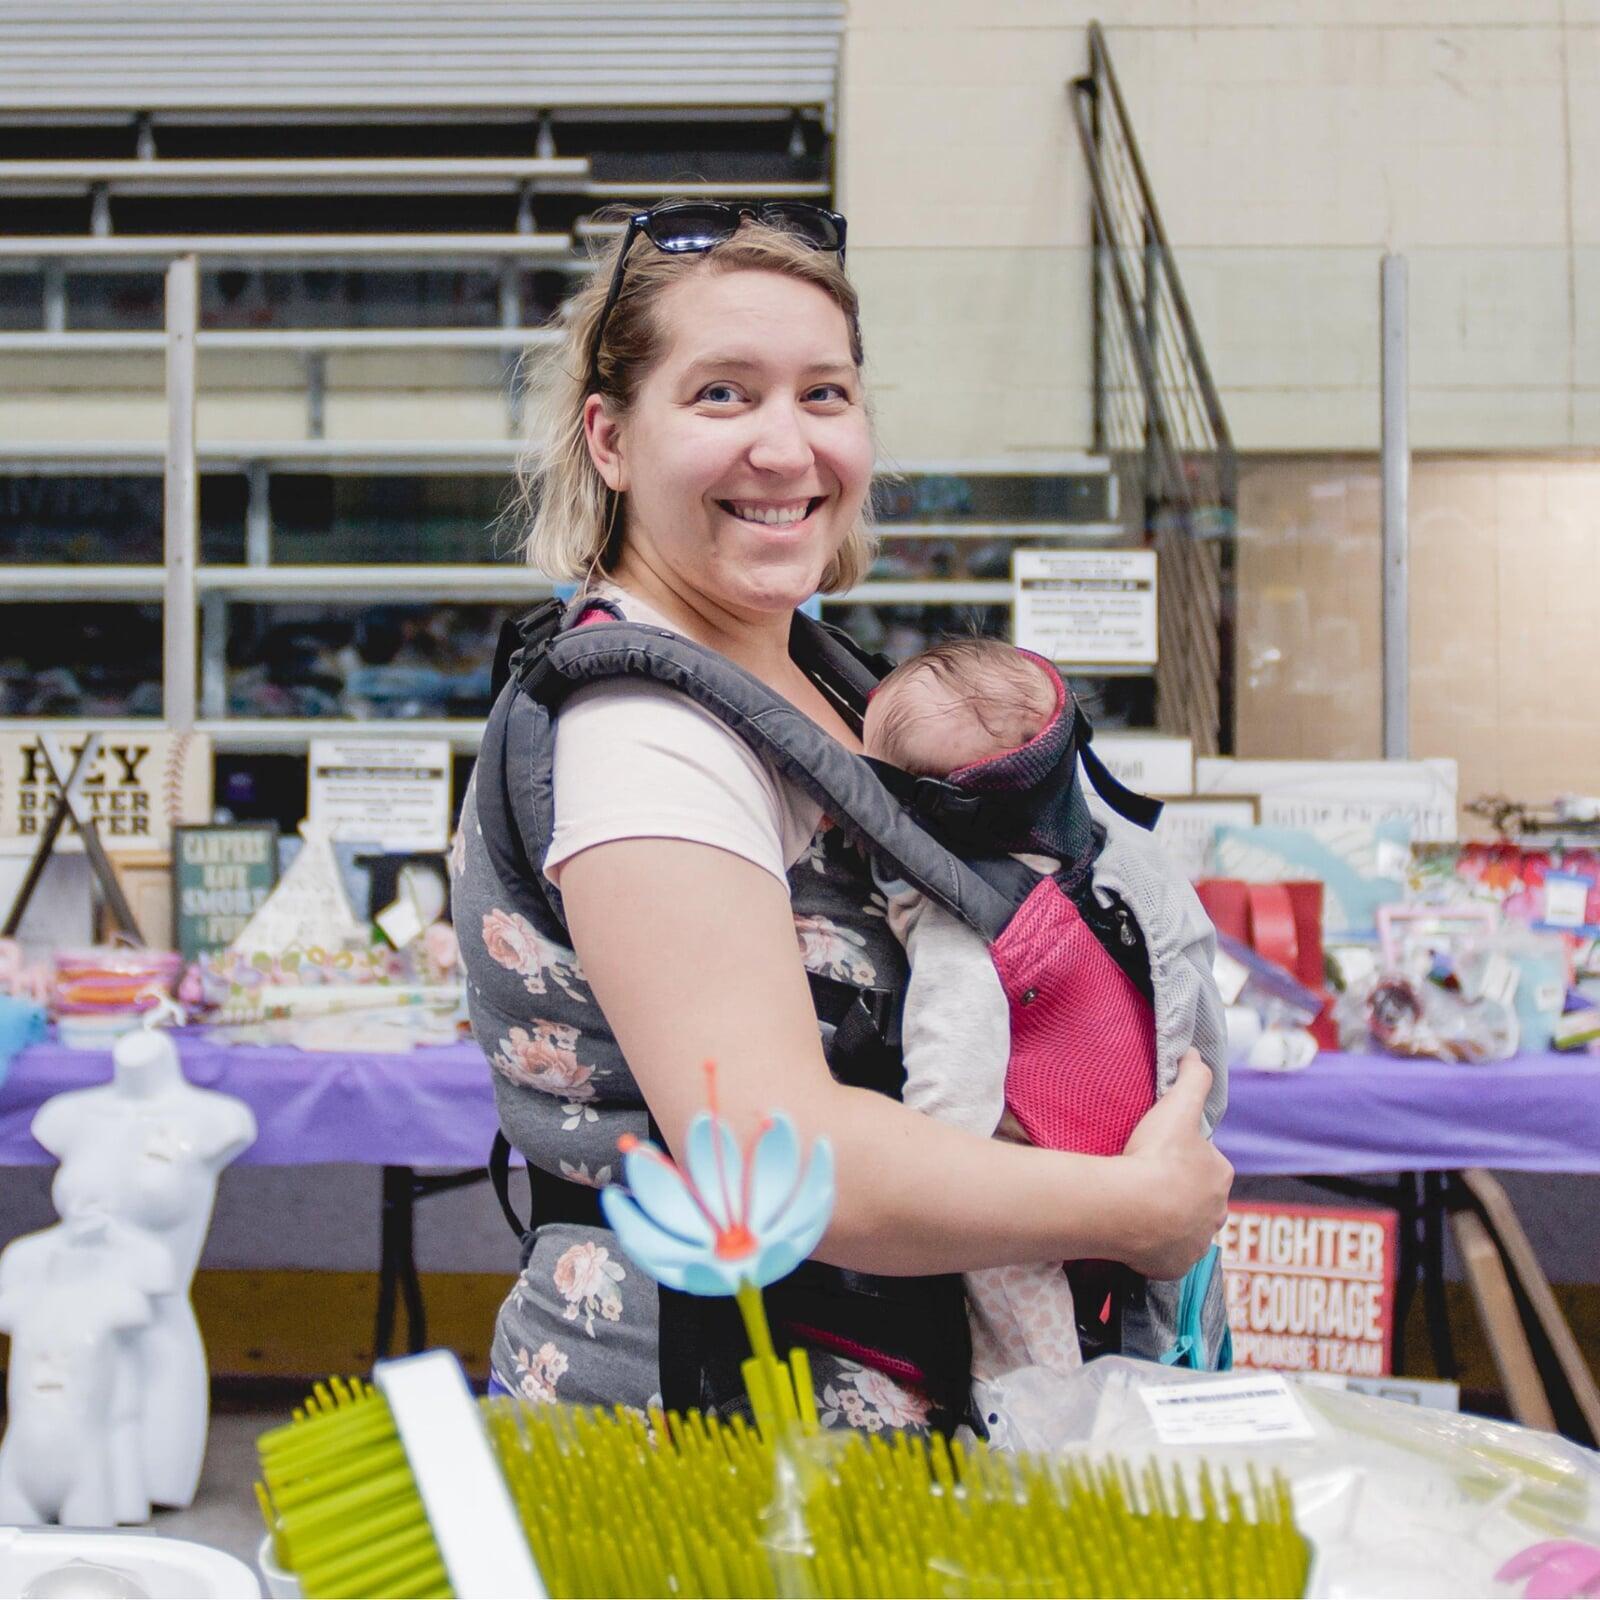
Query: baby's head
x=958 y=703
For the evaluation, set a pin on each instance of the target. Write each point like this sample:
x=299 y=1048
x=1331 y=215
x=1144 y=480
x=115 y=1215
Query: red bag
x=1281 y=921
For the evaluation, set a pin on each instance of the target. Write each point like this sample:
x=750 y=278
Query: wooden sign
x=142 y=785
x=221 y=876
x=1311 y=1288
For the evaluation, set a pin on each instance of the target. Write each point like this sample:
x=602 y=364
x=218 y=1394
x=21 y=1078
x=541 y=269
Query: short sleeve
x=638 y=760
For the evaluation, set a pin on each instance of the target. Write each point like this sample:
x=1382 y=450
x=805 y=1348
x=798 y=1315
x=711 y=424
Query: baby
x=959 y=704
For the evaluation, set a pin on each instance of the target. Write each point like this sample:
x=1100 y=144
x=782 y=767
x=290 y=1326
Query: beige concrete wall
x=1289 y=142
x=1505 y=585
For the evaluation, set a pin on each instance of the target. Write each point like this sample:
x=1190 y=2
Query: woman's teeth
x=771 y=516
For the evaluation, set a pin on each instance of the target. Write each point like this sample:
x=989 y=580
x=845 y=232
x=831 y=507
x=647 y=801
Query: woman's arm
x=691 y=953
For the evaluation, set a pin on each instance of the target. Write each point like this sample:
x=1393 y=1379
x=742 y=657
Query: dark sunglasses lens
x=812 y=224
x=685 y=229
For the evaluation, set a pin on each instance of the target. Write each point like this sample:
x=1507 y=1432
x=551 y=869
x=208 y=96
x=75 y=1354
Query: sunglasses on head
x=691 y=227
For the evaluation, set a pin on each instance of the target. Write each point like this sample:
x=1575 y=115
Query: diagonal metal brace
x=69 y=778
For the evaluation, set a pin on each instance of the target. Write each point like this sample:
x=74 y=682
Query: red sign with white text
x=1311 y=1288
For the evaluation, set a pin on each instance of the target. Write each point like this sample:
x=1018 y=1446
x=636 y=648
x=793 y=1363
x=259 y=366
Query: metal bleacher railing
x=1158 y=415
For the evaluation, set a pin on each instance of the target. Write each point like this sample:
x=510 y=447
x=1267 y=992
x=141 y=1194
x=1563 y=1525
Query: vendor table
x=1343 y=1116
x=1342 y=1119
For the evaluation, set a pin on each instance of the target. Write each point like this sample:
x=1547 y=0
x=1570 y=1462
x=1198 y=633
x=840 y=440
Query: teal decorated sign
x=221 y=874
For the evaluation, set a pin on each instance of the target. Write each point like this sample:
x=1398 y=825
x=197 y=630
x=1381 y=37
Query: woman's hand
x=1177 y=1180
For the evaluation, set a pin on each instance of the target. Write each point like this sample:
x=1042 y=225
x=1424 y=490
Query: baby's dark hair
x=1003 y=690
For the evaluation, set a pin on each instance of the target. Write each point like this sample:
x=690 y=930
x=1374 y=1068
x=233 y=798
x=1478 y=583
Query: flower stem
x=755 y=1321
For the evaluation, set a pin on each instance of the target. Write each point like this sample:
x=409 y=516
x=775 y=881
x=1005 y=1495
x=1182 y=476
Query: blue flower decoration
x=732 y=1218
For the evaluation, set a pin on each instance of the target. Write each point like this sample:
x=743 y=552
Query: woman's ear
x=603 y=435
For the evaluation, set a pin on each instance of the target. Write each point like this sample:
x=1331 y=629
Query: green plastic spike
x=613 y=1502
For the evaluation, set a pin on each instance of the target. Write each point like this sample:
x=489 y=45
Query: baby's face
x=939 y=733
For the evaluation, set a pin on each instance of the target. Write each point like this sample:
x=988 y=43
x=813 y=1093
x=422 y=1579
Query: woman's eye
x=719 y=394
x=826 y=393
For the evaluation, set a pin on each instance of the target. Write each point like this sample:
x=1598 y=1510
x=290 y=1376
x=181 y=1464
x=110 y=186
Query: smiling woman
x=704 y=465
x=742 y=471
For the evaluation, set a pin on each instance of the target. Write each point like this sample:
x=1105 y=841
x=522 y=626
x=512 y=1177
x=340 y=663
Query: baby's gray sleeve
x=957 y=1024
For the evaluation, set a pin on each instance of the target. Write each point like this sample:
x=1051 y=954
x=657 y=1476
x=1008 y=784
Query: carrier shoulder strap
x=842 y=783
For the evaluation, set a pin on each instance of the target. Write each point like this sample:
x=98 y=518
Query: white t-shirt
x=637 y=760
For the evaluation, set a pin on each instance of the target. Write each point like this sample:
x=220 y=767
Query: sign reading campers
x=1311 y=1288
x=393 y=793
x=140 y=787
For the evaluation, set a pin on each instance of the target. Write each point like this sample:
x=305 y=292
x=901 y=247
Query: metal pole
x=1396 y=468
x=258 y=516
x=214 y=656
x=179 y=619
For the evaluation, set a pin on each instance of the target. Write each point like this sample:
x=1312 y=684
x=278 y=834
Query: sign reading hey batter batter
x=1086 y=608
x=141 y=786
x=1311 y=1288
x=394 y=793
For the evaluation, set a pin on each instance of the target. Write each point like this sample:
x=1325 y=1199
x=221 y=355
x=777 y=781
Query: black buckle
x=933 y=797
x=529 y=663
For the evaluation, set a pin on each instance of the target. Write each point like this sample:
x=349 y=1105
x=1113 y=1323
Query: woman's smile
x=784 y=515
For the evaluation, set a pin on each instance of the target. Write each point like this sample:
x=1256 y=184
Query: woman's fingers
x=1177 y=1114
x=1193 y=1085
x=1185 y=1177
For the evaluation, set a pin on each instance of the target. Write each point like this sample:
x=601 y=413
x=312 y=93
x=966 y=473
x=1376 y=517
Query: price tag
x=400 y=921
x=1231 y=977
x=1550 y=998
x=1394 y=859
x=1500 y=979
x=1566 y=897
x=1225 y=1411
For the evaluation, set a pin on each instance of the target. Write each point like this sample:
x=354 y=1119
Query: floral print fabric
x=580 y=1322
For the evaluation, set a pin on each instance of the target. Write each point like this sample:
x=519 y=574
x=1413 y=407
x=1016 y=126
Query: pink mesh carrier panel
x=1082 y=1070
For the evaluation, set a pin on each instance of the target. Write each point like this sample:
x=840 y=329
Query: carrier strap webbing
x=1137 y=808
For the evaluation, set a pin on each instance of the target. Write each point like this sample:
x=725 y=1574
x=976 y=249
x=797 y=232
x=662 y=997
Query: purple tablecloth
x=1342 y=1116
x=432 y=1107
x=1348 y=1115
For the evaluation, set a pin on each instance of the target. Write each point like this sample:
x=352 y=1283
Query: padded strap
x=842 y=783
x=837 y=664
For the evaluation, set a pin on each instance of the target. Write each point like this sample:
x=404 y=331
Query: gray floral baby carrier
x=913 y=1330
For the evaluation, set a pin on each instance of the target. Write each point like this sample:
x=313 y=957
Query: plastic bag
x=1398 y=1500
x=1408 y=1015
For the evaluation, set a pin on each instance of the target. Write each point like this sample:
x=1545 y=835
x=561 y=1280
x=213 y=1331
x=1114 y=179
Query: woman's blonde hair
x=574 y=521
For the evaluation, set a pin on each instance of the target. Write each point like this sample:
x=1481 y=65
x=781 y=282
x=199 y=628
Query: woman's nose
x=780 y=444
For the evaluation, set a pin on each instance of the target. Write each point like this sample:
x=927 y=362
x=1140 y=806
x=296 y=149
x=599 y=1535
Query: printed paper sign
x=1566 y=899
x=394 y=793
x=1225 y=1411
x=1152 y=763
x=1311 y=1288
x=1186 y=828
x=1312 y=794
x=141 y=786
x=1086 y=607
